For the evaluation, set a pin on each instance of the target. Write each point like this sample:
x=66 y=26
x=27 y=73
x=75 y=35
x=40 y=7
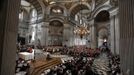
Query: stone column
x=112 y=34
x=126 y=12
x=72 y=37
x=9 y=14
x=117 y=33
x=67 y=35
x=46 y=33
x=93 y=35
x=114 y=31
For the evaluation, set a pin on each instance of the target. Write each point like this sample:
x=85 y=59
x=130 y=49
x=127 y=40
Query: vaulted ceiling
x=36 y=5
x=73 y=6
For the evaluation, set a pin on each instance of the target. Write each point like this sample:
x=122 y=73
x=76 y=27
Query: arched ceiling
x=102 y=16
x=77 y=8
x=103 y=33
x=36 y=5
x=68 y=5
x=98 y=2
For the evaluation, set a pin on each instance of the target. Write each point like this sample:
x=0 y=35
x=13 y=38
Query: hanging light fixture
x=81 y=29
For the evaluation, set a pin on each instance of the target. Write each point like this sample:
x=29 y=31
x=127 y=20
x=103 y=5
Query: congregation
x=81 y=64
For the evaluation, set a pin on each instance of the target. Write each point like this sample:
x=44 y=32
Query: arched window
x=33 y=15
x=56 y=10
x=76 y=18
x=21 y=16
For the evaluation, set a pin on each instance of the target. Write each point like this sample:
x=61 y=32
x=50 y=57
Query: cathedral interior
x=66 y=37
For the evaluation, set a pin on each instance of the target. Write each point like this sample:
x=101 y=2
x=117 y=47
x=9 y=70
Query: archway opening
x=55 y=33
x=102 y=16
x=102 y=27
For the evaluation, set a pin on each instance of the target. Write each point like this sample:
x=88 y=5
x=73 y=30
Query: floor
x=100 y=65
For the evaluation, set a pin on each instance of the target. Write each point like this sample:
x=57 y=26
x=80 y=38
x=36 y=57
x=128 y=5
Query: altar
x=26 y=55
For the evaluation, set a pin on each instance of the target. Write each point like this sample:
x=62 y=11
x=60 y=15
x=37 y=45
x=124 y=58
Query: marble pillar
x=45 y=37
x=93 y=35
x=67 y=35
x=45 y=34
x=126 y=12
x=114 y=32
x=117 y=34
x=9 y=16
x=44 y=29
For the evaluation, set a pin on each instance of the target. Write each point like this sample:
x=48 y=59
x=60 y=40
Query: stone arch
x=102 y=36
x=24 y=10
x=25 y=13
x=52 y=5
x=58 y=23
x=103 y=33
x=56 y=18
x=37 y=6
x=85 y=4
x=102 y=28
x=56 y=29
x=102 y=16
x=42 y=5
x=101 y=19
x=99 y=9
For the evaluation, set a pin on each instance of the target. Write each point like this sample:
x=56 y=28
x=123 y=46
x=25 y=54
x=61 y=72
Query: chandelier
x=81 y=29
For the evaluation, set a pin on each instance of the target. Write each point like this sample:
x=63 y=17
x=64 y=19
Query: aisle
x=100 y=65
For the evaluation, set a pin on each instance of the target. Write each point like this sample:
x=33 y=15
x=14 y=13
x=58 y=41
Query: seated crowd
x=87 y=52
x=22 y=67
x=81 y=64
x=115 y=64
x=52 y=49
x=77 y=66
